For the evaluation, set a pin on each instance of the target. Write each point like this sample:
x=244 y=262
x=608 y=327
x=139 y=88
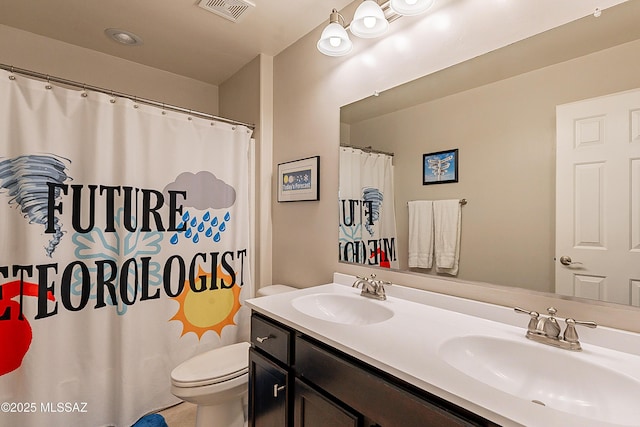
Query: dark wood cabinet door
x=268 y=392
x=311 y=409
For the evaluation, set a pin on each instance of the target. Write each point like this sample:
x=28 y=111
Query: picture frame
x=440 y=167
x=299 y=180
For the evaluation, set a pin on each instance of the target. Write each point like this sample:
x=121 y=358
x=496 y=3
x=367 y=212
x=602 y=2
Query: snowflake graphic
x=349 y=234
x=115 y=247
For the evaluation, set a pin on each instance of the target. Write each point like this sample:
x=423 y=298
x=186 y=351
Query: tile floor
x=181 y=415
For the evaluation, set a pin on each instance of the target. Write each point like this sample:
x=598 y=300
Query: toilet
x=217 y=380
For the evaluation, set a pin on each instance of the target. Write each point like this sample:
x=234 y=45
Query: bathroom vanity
x=327 y=356
x=292 y=374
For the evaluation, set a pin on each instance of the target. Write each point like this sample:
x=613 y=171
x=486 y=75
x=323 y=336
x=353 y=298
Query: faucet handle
x=570 y=334
x=523 y=311
x=360 y=281
x=533 y=322
x=588 y=324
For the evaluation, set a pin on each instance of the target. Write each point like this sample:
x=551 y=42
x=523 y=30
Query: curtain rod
x=368 y=149
x=133 y=98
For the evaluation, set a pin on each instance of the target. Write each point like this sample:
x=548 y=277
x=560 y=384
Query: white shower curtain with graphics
x=367 y=212
x=124 y=250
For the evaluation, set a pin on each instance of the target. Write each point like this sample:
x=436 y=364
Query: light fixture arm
x=336 y=17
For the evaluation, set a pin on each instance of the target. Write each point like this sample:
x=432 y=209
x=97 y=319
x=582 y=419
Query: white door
x=598 y=198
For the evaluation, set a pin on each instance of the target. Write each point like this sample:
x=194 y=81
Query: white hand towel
x=446 y=220
x=421 y=233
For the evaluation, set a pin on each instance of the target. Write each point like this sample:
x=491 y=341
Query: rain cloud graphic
x=25 y=179
x=204 y=191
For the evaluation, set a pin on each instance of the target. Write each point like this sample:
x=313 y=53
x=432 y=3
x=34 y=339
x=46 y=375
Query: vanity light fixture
x=370 y=20
x=410 y=7
x=334 y=40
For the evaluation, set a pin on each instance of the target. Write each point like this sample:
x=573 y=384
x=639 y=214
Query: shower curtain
x=124 y=250
x=367 y=213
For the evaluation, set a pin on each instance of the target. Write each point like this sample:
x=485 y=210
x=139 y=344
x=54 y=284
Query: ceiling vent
x=232 y=10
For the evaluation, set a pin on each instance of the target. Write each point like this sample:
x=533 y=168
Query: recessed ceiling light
x=123 y=37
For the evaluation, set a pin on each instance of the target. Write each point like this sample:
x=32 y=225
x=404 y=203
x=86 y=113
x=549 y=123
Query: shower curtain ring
x=135 y=102
x=84 y=93
x=164 y=113
x=48 y=85
x=113 y=98
x=11 y=76
x=189 y=118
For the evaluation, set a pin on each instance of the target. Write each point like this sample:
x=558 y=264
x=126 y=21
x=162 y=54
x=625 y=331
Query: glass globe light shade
x=334 y=40
x=369 y=20
x=410 y=7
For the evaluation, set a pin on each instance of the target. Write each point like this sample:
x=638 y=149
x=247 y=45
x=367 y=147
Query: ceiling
x=178 y=36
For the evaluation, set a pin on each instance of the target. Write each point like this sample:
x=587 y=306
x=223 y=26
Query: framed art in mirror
x=299 y=180
x=440 y=167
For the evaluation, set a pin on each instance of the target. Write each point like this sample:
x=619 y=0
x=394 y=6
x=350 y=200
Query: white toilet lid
x=214 y=366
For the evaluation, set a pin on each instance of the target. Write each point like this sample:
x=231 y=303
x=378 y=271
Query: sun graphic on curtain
x=212 y=309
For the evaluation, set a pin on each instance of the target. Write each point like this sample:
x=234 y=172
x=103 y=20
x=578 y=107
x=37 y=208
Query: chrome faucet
x=371 y=288
x=545 y=329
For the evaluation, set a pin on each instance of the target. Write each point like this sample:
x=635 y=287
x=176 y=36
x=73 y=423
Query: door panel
x=268 y=392
x=598 y=198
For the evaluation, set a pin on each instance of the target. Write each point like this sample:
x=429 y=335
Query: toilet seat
x=213 y=367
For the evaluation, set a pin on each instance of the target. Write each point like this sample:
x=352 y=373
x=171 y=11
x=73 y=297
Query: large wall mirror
x=499 y=111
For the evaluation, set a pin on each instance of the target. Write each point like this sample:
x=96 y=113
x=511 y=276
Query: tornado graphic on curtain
x=25 y=179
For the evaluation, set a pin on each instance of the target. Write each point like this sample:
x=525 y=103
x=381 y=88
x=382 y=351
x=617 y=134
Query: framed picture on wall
x=299 y=180
x=440 y=167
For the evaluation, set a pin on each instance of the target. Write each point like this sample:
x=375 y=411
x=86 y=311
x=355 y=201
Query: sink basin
x=547 y=376
x=341 y=308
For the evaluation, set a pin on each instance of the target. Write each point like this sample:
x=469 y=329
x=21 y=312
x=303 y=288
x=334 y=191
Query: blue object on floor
x=151 y=420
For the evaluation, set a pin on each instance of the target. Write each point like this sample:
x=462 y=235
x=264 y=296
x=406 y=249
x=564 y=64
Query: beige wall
x=309 y=89
x=247 y=96
x=29 y=51
x=239 y=95
x=505 y=133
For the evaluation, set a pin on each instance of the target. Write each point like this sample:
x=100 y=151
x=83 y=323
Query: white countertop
x=407 y=346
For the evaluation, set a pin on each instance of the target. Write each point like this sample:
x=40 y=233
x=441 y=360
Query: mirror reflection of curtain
x=366 y=202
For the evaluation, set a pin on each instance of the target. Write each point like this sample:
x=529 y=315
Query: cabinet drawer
x=272 y=338
x=378 y=397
